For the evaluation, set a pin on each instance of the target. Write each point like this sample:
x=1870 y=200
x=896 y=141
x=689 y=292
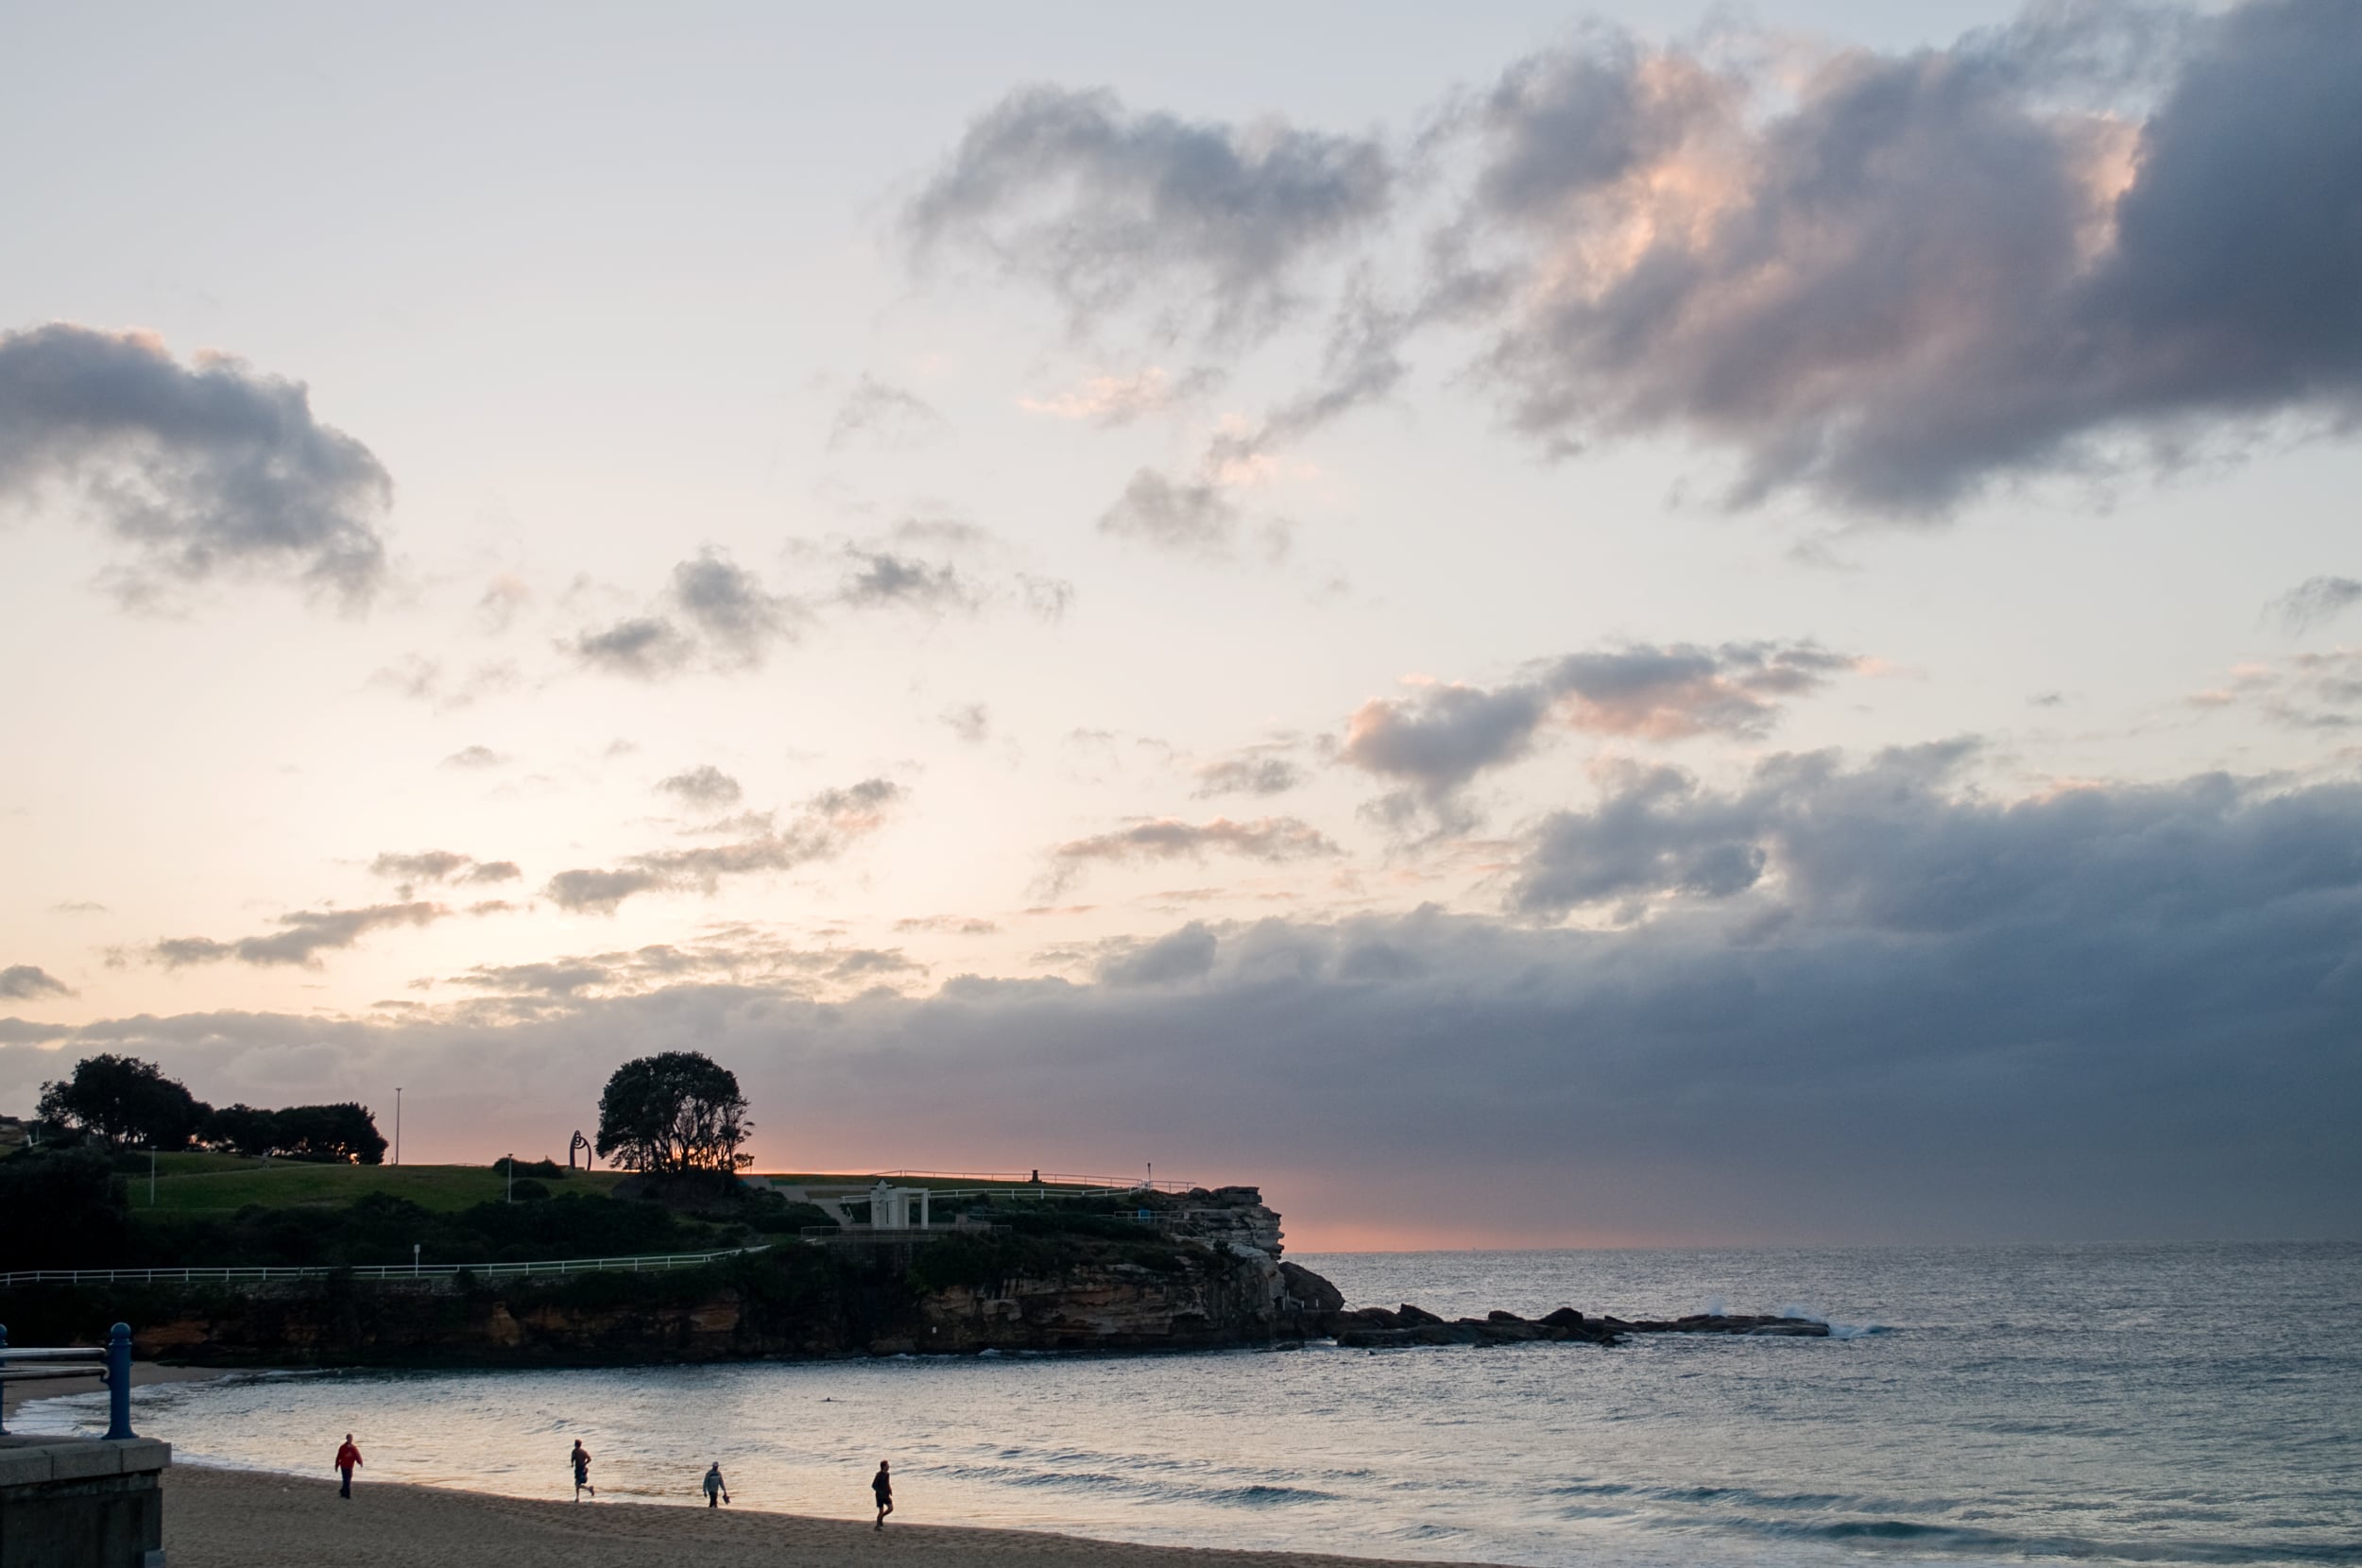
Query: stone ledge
x=74 y=1459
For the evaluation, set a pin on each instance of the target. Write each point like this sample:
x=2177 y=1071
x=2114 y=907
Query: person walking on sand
x=347 y=1459
x=715 y=1487
x=883 y=1483
x=580 y=1458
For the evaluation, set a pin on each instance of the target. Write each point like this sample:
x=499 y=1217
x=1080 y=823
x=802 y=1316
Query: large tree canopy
x=124 y=1099
x=678 y=1111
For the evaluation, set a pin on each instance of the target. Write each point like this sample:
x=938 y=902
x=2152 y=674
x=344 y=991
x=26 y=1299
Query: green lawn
x=223 y=1183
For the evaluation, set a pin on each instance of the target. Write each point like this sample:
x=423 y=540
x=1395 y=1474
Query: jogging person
x=580 y=1459
x=883 y=1483
x=348 y=1460
x=715 y=1487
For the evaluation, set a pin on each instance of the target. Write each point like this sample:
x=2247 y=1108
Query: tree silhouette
x=124 y=1099
x=678 y=1111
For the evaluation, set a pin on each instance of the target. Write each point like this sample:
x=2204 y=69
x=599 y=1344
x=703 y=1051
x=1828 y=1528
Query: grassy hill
x=217 y=1185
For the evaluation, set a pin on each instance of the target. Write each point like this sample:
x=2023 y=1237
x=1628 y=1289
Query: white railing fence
x=650 y=1263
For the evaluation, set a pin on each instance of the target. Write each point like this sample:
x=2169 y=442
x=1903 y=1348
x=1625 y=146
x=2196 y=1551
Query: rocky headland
x=1199 y=1271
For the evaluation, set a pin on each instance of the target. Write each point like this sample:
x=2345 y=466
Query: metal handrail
x=650 y=1263
x=111 y=1364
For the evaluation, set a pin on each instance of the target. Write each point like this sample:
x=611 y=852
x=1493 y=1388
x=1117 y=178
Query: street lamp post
x=397 y=1124
x=512 y=1177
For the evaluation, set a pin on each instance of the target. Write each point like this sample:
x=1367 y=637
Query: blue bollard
x=119 y=1382
x=4 y=1362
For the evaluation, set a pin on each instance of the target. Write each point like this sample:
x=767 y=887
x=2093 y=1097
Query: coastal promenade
x=246 y=1519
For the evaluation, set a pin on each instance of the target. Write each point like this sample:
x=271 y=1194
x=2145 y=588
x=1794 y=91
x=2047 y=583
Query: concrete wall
x=82 y=1502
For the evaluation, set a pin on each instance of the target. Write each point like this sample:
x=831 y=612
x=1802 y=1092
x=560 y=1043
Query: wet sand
x=242 y=1519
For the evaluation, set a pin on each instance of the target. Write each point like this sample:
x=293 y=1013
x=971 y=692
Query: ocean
x=2182 y=1404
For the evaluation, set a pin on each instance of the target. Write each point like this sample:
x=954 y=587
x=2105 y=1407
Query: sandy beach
x=243 y=1518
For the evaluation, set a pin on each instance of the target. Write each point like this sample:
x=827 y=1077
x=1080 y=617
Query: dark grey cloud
x=204 y=470
x=705 y=786
x=2126 y=1010
x=493 y=871
x=886 y=415
x=22 y=982
x=829 y=824
x=713 y=615
x=1187 y=954
x=1186 y=517
x=2103 y=239
x=1212 y=226
x=2315 y=601
x=1898 y=845
x=1440 y=738
x=1273 y=840
x=300 y=938
x=1929 y=271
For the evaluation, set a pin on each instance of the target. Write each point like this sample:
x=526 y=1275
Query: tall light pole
x=397 y=1124
x=512 y=1178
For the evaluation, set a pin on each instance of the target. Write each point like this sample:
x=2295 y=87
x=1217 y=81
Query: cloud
x=1211 y=223
x=2308 y=691
x=954 y=925
x=735 y=955
x=302 y=938
x=1182 y=517
x=421 y=679
x=2126 y=1010
x=597 y=891
x=886 y=415
x=493 y=871
x=1270 y=839
x=704 y=785
x=970 y=722
x=713 y=614
x=1914 y=275
x=475 y=757
x=431 y=866
x=203 y=470
x=1442 y=737
x=830 y=823
x=1111 y=401
x=1187 y=954
x=1897 y=846
x=2315 y=601
x=882 y=578
x=77 y=905
x=1256 y=772
x=2103 y=239
x=28 y=982
x=1046 y=598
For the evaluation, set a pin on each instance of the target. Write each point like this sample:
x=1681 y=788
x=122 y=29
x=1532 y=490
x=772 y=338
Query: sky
x=1527 y=627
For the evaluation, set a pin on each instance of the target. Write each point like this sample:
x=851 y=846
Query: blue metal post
x=4 y=1362
x=119 y=1382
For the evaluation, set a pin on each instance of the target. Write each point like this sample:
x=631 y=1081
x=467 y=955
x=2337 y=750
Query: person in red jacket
x=347 y=1457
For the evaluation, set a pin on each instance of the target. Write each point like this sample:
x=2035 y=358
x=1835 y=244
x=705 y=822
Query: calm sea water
x=2152 y=1404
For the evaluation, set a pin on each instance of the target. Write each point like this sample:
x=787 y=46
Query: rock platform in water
x=1373 y=1327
